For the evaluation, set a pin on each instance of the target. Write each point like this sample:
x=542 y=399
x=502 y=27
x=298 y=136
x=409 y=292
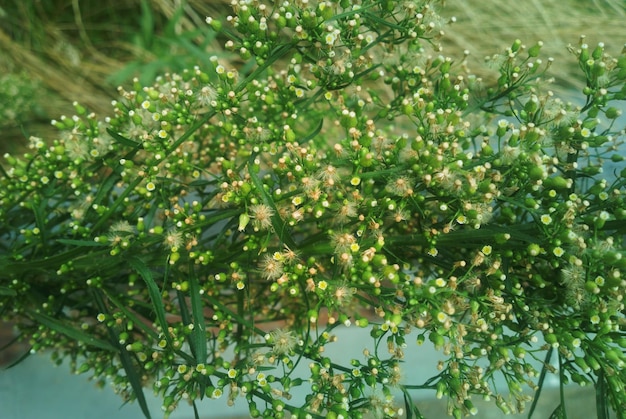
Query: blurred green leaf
x=155 y=295
x=125 y=358
x=7 y=291
x=82 y=243
x=198 y=335
x=70 y=332
x=146 y=22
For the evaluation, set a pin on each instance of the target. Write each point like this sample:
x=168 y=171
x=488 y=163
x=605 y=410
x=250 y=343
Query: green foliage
x=17 y=99
x=164 y=49
x=194 y=239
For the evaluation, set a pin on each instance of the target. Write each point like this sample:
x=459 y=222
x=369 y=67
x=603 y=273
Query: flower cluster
x=220 y=226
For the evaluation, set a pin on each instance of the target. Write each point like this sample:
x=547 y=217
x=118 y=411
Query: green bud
x=613 y=113
x=519 y=352
x=244 y=219
x=593 y=363
x=436 y=339
x=80 y=110
x=442 y=389
x=613 y=355
x=535 y=49
x=598 y=69
x=550 y=338
x=598 y=52
x=582 y=364
x=135 y=347
x=556 y=182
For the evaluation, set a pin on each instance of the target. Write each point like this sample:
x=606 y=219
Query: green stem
x=542 y=377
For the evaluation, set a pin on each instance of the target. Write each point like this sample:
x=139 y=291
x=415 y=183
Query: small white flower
x=546 y=219
x=283 y=341
x=585 y=132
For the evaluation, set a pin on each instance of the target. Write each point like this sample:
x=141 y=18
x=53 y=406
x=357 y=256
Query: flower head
x=261 y=215
x=173 y=240
x=283 y=341
x=271 y=266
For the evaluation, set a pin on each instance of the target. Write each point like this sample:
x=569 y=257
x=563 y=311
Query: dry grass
x=73 y=46
x=489 y=26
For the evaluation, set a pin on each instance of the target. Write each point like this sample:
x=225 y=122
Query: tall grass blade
x=70 y=332
x=277 y=223
x=155 y=295
x=602 y=407
x=542 y=377
x=127 y=363
x=198 y=334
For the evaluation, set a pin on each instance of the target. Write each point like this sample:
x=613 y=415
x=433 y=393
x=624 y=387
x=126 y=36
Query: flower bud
x=535 y=49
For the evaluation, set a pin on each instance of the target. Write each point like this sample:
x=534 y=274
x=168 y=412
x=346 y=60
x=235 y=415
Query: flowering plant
x=214 y=232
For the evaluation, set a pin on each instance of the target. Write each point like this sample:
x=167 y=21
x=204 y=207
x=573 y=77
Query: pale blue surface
x=35 y=389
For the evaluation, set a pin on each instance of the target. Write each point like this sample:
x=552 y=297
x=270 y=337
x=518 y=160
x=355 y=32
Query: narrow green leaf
x=197 y=338
x=155 y=295
x=139 y=323
x=274 y=56
x=146 y=22
x=122 y=140
x=127 y=363
x=375 y=18
x=9 y=343
x=542 y=377
x=7 y=291
x=120 y=199
x=106 y=187
x=184 y=310
x=602 y=407
x=191 y=131
x=81 y=243
x=19 y=360
x=196 y=414
x=170 y=31
x=408 y=403
x=558 y=413
x=562 y=378
x=40 y=220
x=4 y=173
x=68 y=331
x=313 y=133
x=277 y=223
x=352 y=12
x=236 y=316
x=124 y=74
x=198 y=334
x=135 y=380
x=50 y=262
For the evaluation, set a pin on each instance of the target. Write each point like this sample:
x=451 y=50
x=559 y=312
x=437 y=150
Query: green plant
x=172 y=50
x=17 y=98
x=194 y=240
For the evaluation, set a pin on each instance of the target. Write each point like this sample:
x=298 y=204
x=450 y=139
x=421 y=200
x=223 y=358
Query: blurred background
x=55 y=52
